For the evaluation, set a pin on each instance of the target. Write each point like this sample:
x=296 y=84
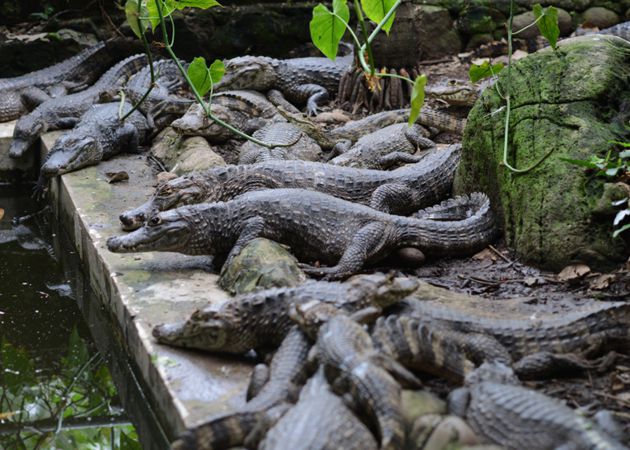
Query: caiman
x=499 y=409
x=317 y=227
x=295 y=144
x=389 y=146
x=310 y=81
x=65 y=112
x=450 y=339
x=345 y=350
x=319 y=421
x=401 y=191
x=246 y=426
x=260 y=320
x=98 y=136
x=21 y=94
x=162 y=105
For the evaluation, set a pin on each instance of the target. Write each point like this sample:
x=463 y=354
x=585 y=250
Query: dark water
x=56 y=390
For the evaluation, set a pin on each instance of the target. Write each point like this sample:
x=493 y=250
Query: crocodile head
x=248 y=72
x=383 y=289
x=494 y=372
x=170 y=194
x=26 y=132
x=454 y=92
x=202 y=331
x=71 y=153
x=169 y=231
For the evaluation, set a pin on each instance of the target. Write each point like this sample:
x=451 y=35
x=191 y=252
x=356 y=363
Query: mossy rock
x=261 y=264
x=569 y=104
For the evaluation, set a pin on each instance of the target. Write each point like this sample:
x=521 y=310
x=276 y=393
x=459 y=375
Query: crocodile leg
x=415 y=135
x=33 y=97
x=278 y=99
x=398 y=158
x=251 y=229
x=546 y=365
x=316 y=95
x=371 y=240
x=129 y=134
x=387 y=196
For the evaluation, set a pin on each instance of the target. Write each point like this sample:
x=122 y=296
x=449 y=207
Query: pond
x=56 y=389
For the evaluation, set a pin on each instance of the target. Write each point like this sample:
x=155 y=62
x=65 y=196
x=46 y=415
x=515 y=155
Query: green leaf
x=417 y=98
x=217 y=70
x=480 y=71
x=625 y=154
x=581 y=162
x=129 y=442
x=327 y=29
x=200 y=4
x=138 y=26
x=154 y=16
x=376 y=10
x=199 y=75
x=621 y=230
x=548 y=23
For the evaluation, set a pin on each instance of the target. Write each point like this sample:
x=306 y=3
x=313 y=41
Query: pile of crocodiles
x=342 y=347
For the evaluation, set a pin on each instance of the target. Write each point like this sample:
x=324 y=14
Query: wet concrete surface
x=142 y=290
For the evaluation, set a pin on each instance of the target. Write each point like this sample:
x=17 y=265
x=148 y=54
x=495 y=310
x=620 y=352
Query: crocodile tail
x=454 y=237
x=458 y=208
x=242 y=429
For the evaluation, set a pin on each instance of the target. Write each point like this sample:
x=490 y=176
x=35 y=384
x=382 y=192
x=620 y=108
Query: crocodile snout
x=132 y=221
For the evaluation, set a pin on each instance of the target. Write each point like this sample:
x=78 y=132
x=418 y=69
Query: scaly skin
x=316 y=226
x=344 y=347
x=65 y=112
x=401 y=191
x=515 y=417
x=287 y=373
x=388 y=146
x=300 y=145
x=451 y=342
x=319 y=421
x=261 y=319
x=246 y=110
x=160 y=105
x=99 y=135
x=309 y=81
x=21 y=94
x=455 y=92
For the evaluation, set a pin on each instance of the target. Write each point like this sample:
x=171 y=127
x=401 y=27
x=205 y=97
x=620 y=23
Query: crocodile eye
x=452 y=82
x=155 y=220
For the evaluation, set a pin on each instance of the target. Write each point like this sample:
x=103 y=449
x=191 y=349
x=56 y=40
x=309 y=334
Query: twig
x=499 y=254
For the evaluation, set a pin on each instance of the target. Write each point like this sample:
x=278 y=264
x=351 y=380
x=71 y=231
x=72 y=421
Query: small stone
x=452 y=431
x=165 y=145
x=420 y=403
x=261 y=264
x=600 y=17
x=522 y=20
x=196 y=154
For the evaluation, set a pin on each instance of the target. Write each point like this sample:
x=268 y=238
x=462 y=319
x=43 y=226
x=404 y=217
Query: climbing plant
x=547 y=23
x=329 y=27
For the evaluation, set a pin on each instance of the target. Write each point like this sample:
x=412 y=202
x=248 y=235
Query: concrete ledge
x=142 y=290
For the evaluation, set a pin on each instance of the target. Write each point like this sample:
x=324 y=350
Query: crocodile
x=310 y=81
x=248 y=111
x=23 y=93
x=506 y=413
x=455 y=92
x=161 y=103
x=260 y=320
x=295 y=145
x=450 y=340
x=386 y=147
x=317 y=227
x=400 y=191
x=345 y=350
x=65 y=112
x=287 y=373
x=319 y=421
x=621 y=30
x=98 y=136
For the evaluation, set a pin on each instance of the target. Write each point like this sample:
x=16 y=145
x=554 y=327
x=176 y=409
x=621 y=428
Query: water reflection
x=56 y=391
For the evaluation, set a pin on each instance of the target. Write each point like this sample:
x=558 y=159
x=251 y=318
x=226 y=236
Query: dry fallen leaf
x=485 y=255
x=114 y=177
x=573 y=272
x=1 y=213
x=602 y=281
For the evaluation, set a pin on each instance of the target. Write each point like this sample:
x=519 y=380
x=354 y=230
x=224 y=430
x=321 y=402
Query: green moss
x=562 y=102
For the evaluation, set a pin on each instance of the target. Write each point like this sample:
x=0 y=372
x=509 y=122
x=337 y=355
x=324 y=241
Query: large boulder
x=571 y=104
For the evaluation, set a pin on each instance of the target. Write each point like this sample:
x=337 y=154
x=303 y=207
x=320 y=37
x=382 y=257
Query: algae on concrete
x=570 y=102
